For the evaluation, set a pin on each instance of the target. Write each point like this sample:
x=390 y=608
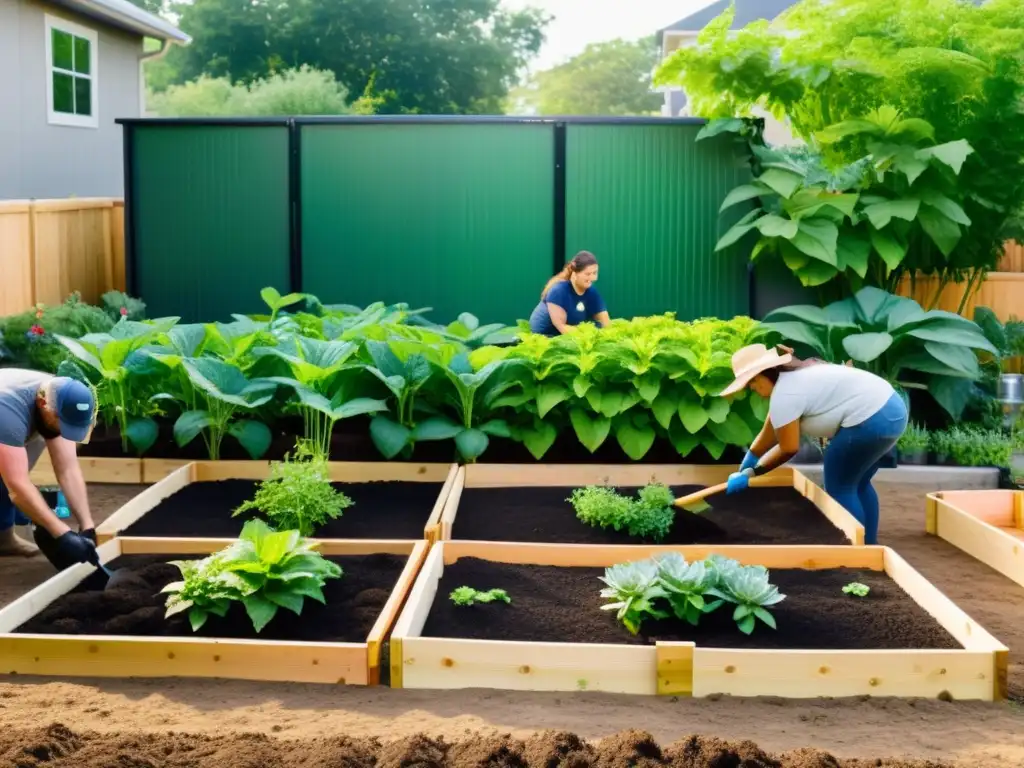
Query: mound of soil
x=57 y=746
x=380 y=510
x=757 y=516
x=135 y=606
x=559 y=604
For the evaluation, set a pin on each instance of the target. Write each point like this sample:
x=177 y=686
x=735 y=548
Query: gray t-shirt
x=18 y=389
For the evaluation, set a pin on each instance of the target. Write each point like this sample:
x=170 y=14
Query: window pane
x=83 y=96
x=63 y=93
x=82 y=55
x=62 y=49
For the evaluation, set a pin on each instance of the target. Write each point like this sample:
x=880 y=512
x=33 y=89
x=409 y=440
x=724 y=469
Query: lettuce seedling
x=748 y=588
x=298 y=495
x=264 y=570
x=469 y=596
x=634 y=587
x=856 y=588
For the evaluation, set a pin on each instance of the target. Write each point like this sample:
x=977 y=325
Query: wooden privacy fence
x=1001 y=291
x=51 y=248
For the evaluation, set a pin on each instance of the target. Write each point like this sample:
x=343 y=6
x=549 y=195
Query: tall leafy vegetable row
x=633 y=382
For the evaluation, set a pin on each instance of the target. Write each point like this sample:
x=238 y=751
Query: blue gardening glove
x=738 y=481
x=749 y=461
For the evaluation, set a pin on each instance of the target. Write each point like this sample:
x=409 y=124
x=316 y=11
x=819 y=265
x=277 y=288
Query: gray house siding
x=40 y=160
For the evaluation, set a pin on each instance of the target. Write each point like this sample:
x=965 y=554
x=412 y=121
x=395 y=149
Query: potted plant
x=940 y=445
x=913 y=445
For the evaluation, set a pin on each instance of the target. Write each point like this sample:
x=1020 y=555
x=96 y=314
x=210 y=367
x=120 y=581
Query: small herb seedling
x=469 y=596
x=856 y=588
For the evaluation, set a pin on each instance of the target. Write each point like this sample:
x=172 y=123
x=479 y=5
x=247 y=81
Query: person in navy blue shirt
x=570 y=298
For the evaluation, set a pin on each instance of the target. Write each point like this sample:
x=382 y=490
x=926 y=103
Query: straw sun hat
x=752 y=360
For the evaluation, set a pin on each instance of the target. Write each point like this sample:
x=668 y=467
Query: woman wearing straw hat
x=861 y=413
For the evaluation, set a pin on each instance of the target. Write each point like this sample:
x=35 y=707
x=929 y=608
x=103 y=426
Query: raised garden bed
x=987 y=524
x=904 y=639
x=529 y=504
x=94 y=470
x=391 y=501
x=69 y=626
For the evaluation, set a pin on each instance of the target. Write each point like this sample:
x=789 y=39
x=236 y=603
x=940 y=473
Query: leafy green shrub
x=648 y=517
x=263 y=570
x=31 y=337
x=970 y=446
x=893 y=337
x=298 y=495
x=638 y=589
x=857 y=589
x=118 y=304
x=915 y=438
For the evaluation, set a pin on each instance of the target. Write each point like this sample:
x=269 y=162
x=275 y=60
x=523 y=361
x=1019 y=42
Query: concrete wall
x=39 y=160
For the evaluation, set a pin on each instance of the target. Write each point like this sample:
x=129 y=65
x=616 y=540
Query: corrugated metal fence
x=458 y=214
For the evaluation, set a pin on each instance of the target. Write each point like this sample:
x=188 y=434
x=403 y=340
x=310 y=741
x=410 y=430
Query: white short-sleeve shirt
x=826 y=397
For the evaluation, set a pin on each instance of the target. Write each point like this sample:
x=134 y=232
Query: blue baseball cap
x=76 y=408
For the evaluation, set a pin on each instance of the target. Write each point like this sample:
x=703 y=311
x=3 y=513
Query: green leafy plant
x=650 y=516
x=31 y=338
x=315 y=367
x=822 y=63
x=893 y=337
x=469 y=596
x=869 y=222
x=118 y=363
x=118 y=304
x=914 y=439
x=857 y=589
x=298 y=495
x=263 y=570
x=685 y=585
x=972 y=446
x=689 y=590
x=748 y=588
x=634 y=588
x=637 y=380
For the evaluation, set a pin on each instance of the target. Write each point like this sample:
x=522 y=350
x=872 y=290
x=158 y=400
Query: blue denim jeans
x=853 y=457
x=10 y=515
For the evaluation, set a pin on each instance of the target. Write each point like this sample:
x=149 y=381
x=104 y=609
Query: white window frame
x=61 y=118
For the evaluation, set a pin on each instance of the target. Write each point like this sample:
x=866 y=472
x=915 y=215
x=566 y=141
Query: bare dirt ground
x=966 y=733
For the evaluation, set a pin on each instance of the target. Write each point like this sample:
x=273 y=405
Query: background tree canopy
x=411 y=56
x=956 y=65
x=612 y=78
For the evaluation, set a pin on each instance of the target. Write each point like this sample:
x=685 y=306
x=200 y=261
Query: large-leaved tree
x=958 y=66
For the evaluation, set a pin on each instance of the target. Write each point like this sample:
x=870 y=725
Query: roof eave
x=138 y=21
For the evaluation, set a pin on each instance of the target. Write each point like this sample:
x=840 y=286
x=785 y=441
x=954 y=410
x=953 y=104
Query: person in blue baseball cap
x=37 y=411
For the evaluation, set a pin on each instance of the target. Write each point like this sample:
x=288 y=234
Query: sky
x=578 y=22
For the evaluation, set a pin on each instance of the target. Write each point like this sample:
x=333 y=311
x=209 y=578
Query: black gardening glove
x=90 y=534
x=66 y=550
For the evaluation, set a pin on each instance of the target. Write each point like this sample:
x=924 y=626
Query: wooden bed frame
x=988 y=525
x=634 y=475
x=148 y=657
x=348 y=472
x=978 y=671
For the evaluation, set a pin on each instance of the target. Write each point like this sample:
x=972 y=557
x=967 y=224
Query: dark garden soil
x=351 y=442
x=757 y=516
x=560 y=604
x=380 y=510
x=135 y=606
x=57 y=746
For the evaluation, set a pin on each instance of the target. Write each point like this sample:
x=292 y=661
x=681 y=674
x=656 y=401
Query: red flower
x=36 y=330
x=124 y=311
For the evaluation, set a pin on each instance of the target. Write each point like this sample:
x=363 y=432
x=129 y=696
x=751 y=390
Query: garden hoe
x=695 y=503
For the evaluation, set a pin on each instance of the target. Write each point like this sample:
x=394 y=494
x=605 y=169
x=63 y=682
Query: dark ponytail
x=578 y=263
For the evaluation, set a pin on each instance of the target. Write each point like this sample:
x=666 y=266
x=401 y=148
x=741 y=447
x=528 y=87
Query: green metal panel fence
x=644 y=199
x=460 y=214
x=458 y=217
x=208 y=211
